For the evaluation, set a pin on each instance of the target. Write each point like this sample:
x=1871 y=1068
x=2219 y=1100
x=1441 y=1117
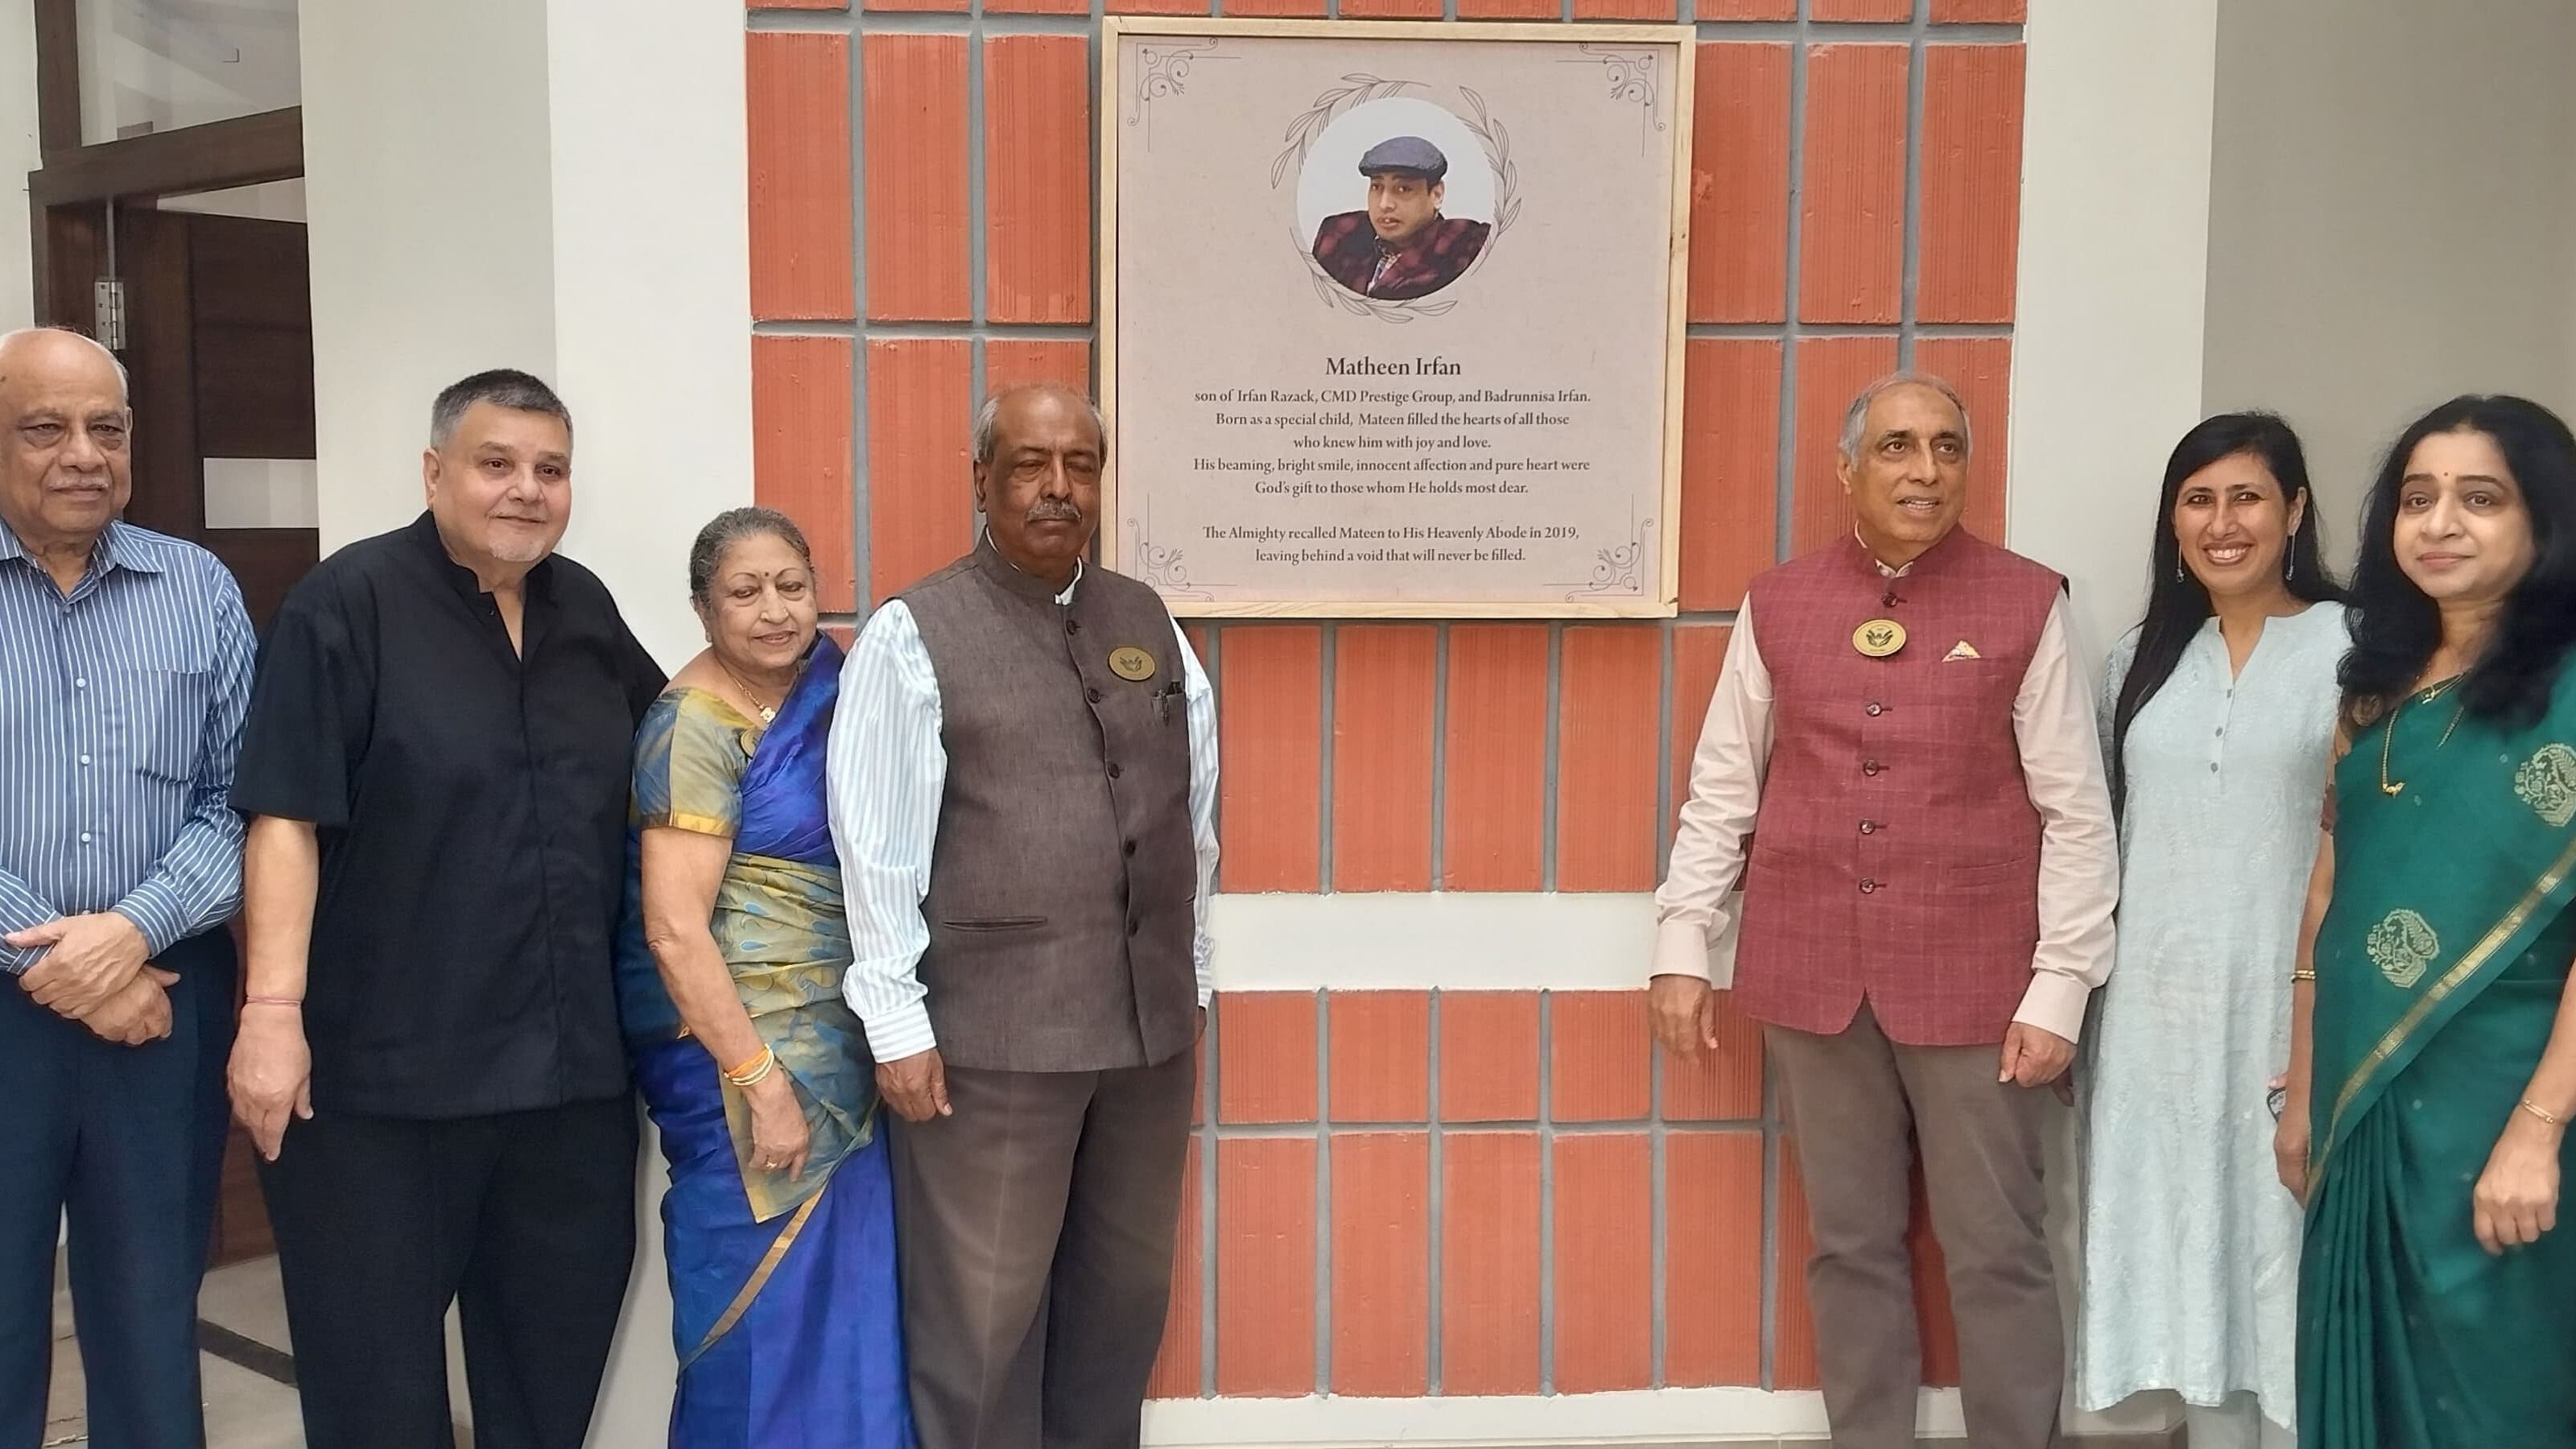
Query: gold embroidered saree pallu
x=2439 y=972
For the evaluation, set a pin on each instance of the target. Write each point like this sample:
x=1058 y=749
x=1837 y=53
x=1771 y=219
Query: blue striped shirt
x=122 y=705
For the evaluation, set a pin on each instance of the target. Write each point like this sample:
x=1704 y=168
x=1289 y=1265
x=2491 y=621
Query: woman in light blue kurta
x=2218 y=724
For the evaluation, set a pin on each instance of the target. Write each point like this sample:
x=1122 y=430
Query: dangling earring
x=2178 y=570
x=2289 y=555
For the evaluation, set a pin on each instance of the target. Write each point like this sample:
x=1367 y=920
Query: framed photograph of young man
x=1392 y=315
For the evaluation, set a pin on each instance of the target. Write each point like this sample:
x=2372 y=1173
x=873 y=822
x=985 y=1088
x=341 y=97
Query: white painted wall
x=2390 y=212
x=2107 y=348
x=652 y=278
x=652 y=281
x=2114 y=247
x=558 y=188
x=429 y=190
x=17 y=158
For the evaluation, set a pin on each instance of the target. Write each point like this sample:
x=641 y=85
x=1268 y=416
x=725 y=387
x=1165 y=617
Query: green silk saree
x=2440 y=966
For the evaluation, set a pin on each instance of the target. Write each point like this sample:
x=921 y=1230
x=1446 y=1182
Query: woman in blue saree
x=779 y=1224
x=2433 y=1049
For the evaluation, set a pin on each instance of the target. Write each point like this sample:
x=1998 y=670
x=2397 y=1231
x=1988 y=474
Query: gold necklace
x=2389 y=738
x=769 y=713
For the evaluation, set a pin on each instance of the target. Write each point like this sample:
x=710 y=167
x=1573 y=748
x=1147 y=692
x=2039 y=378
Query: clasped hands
x=96 y=971
x=1683 y=1012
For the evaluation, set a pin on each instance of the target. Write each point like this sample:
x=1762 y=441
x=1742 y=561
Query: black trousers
x=129 y=1143
x=526 y=1221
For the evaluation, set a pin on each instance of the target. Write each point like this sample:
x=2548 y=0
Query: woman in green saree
x=2433 y=1057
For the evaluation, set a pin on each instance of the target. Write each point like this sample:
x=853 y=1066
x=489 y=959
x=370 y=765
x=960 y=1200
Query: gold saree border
x=759 y=1279
x=694 y=824
x=2470 y=963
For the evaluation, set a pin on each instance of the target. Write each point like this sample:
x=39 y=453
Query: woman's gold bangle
x=750 y=1073
x=2303 y=974
x=2543 y=1113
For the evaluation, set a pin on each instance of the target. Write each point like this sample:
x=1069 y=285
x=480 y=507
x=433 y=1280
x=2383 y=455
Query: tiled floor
x=244 y=1409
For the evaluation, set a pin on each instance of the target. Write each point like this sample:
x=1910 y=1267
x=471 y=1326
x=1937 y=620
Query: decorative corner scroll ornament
x=1163 y=69
x=1161 y=567
x=1616 y=570
x=2401 y=946
x=2547 y=783
x=1635 y=76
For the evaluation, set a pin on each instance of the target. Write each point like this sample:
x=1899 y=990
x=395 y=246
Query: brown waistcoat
x=1063 y=880
x=1896 y=856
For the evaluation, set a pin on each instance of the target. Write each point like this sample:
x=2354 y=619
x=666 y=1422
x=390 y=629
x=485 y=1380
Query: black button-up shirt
x=471 y=805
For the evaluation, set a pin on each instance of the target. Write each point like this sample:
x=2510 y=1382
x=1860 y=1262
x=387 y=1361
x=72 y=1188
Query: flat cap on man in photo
x=1405 y=153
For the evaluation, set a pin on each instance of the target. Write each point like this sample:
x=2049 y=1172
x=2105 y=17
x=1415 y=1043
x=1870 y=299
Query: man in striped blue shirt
x=125 y=668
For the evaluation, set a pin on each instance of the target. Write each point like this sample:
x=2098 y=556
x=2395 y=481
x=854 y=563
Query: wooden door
x=219 y=329
x=219 y=320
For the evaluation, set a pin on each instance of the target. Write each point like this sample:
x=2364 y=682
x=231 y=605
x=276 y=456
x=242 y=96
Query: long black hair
x=2396 y=627
x=2177 y=602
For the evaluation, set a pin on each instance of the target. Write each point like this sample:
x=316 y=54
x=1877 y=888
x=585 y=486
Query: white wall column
x=2114 y=278
x=558 y=188
x=17 y=158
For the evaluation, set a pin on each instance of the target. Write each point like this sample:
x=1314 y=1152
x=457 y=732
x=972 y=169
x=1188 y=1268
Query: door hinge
x=108 y=313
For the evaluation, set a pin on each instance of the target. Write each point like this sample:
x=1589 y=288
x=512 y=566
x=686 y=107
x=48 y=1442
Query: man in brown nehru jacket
x=1023 y=778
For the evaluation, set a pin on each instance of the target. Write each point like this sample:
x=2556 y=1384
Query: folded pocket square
x=1961 y=650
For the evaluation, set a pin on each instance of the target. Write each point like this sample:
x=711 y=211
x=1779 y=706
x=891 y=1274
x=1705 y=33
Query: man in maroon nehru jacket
x=1900 y=769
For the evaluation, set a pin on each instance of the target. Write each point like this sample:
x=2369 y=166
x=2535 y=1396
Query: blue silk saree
x=784 y=1308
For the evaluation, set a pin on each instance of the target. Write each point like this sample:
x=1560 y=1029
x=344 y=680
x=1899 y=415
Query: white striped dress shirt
x=122 y=705
x=889 y=772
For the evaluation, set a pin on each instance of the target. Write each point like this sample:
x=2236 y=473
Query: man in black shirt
x=436 y=774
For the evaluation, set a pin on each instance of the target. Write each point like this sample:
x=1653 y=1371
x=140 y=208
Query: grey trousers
x=1034 y=1227
x=1853 y=1101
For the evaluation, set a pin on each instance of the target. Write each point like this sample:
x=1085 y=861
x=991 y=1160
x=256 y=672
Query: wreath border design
x=1362 y=88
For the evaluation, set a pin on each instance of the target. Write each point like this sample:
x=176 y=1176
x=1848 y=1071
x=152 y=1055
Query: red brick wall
x=1360 y=1218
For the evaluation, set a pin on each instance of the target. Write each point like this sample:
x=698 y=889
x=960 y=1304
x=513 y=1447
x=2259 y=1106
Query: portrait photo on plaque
x=1392 y=315
x=1415 y=232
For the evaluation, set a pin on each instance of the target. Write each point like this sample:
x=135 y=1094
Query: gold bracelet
x=2303 y=974
x=752 y=1073
x=2543 y=1113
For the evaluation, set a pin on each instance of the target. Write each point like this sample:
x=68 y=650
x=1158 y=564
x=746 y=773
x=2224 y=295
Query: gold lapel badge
x=1962 y=650
x=1879 y=638
x=1131 y=664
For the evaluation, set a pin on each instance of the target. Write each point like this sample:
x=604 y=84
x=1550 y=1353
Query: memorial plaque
x=1392 y=315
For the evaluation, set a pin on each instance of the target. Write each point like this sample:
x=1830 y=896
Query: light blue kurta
x=2190 y=1242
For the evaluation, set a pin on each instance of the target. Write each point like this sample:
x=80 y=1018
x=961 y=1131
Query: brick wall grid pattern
x=1398 y=1193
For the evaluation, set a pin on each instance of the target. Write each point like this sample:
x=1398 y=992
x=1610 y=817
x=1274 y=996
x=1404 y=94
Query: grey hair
x=731 y=527
x=988 y=418
x=124 y=384
x=1856 y=416
x=502 y=387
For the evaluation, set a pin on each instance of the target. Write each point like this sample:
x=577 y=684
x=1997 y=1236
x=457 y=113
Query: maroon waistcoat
x=1062 y=882
x=1896 y=855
